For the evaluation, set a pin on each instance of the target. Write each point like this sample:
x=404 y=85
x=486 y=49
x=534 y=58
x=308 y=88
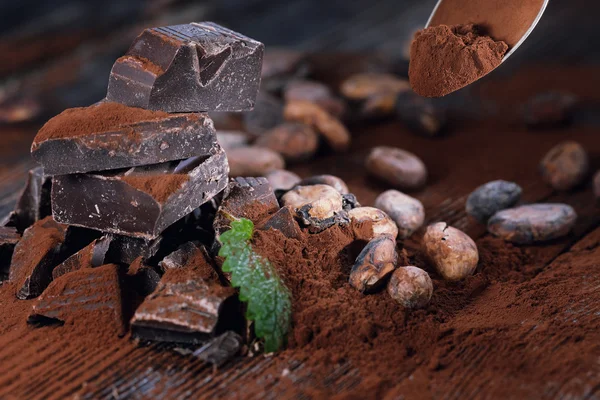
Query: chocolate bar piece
x=251 y=198
x=187 y=309
x=91 y=256
x=34 y=202
x=144 y=278
x=199 y=66
x=92 y=294
x=141 y=201
x=284 y=222
x=35 y=256
x=221 y=349
x=125 y=249
x=190 y=255
x=8 y=240
x=130 y=137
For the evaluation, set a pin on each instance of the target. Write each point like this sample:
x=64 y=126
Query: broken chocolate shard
x=91 y=256
x=141 y=201
x=191 y=256
x=144 y=278
x=186 y=309
x=125 y=249
x=9 y=237
x=188 y=68
x=34 y=257
x=85 y=294
x=220 y=350
x=33 y=203
x=251 y=198
x=284 y=222
x=60 y=149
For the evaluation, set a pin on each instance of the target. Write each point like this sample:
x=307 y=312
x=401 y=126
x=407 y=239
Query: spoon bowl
x=511 y=21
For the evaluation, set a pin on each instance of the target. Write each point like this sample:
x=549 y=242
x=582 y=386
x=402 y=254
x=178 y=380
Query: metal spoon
x=509 y=20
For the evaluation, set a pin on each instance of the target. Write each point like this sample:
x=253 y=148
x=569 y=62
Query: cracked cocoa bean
x=294 y=141
x=334 y=132
x=407 y=212
x=397 y=167
x=411 y=287
x=492 y=197
x=452 y=252
x=565 y=166
x=374 y=264
x=533 y=223
x=316 y=205
x=369 y=222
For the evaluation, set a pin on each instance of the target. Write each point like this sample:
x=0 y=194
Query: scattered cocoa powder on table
x=445 y=58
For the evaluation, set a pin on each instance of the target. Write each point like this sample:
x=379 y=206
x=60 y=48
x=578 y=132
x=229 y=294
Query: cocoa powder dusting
x=158 y=186
x=445 y=58
x=103 y=117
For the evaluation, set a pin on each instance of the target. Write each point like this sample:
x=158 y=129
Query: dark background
x=80 y=39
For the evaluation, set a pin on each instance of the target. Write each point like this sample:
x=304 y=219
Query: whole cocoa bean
x=374 y=263
x=533 y=223
x=549 y=110
x=411 y=287
x=452 y=252
x=331 y=180
x=492 y=197
x=565 y=165
x=294 y=141
x=421 y=115
x=365 y=85
x=253 y=161
x=369 y=222
x=317 y=93
x=232 y=139
x=397 y=167
x=314 y=115
x=267 y=114
x=407 y=212
x=282 y=179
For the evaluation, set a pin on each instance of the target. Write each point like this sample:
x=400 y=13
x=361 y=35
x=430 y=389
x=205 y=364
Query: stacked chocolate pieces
x=114 y=176
x=147 y=155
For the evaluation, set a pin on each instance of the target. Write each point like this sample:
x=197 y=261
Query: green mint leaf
x=269 y=302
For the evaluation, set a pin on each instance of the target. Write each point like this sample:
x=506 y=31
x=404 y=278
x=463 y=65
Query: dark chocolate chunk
x=284 y=221
x=185 y=308
x=144 y=278
x=199 y=66
x=34 y=202
x=141 y=201
x=172 y=137
x=251 y=198
x=267 y=114
x=91 y=256
x=125 y=249
x=88 y=293
x=221 y=349
x=35 y=257
x=8 y=240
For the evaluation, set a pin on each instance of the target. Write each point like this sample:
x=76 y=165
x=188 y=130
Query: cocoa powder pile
x=103 y=117
x=445 y=58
